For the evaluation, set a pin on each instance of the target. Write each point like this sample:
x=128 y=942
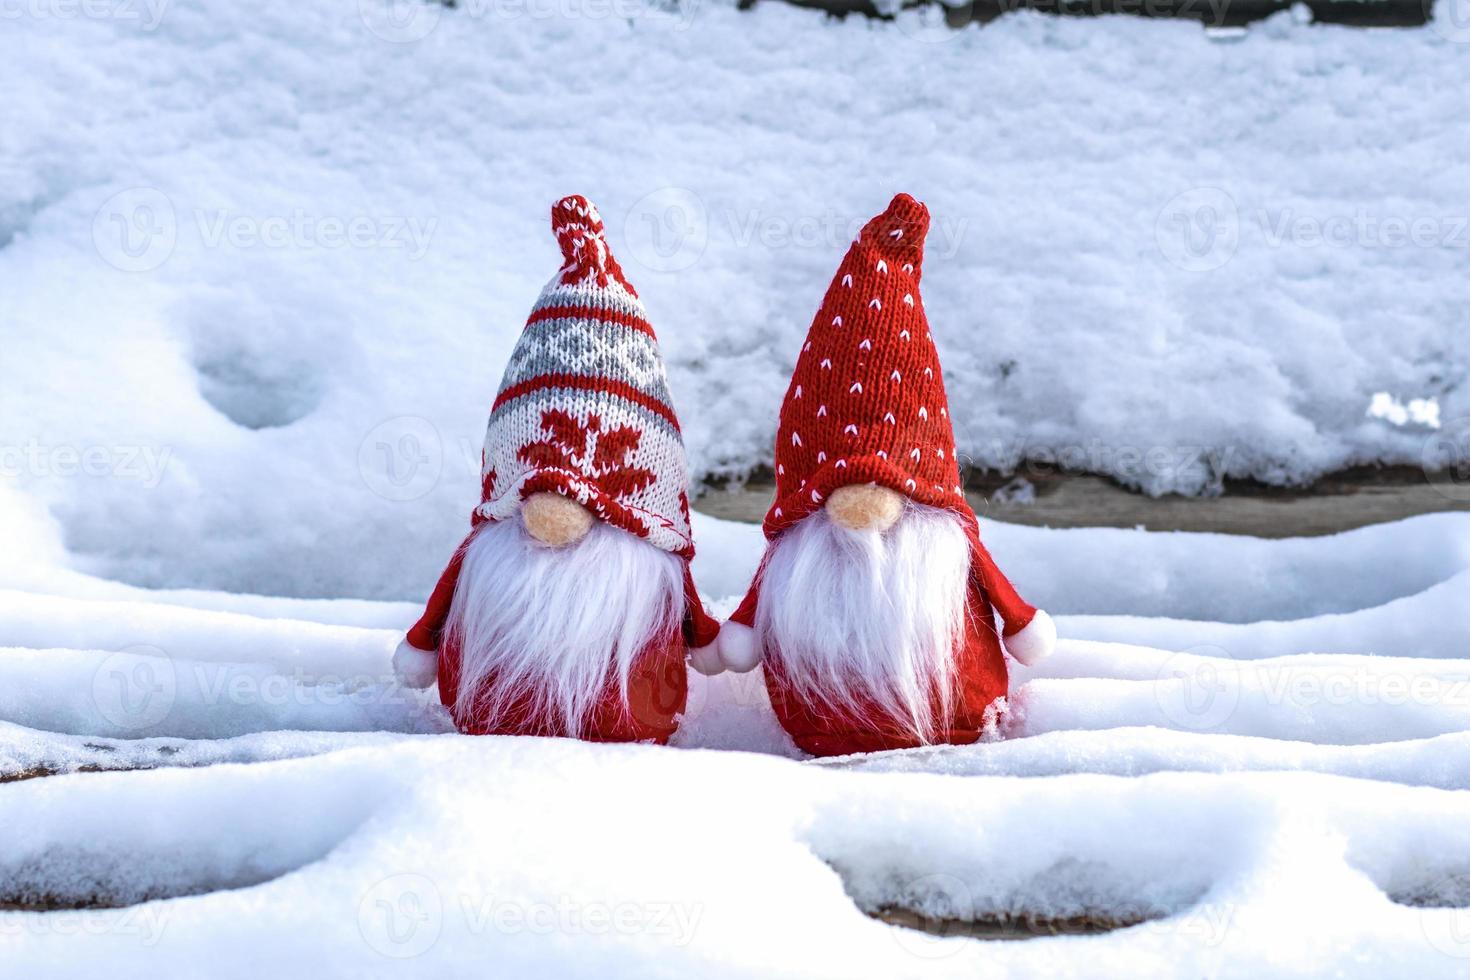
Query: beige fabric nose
x=555 y=520
x=865 y=507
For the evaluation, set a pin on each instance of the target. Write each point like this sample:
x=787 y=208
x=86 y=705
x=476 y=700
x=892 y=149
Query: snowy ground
x=1278 y=783
x=260 y=267
x=276 y=260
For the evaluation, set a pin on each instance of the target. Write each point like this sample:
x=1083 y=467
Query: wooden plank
x=1211 y=13
x=1336 y=503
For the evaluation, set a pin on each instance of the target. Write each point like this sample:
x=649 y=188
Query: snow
x=387 y=859
x=1283 y=809
x=1314 y=698
x=236 y=453
x=332 y=240
x=1439 y=762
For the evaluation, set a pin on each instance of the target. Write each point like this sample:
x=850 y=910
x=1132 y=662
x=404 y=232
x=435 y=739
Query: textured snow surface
x=260 y=268
x=1272 y=794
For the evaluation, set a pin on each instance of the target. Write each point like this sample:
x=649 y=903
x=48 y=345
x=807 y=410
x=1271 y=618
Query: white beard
x=557 y=626
x=854 y=618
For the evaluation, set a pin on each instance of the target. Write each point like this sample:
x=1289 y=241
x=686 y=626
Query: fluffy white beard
x=557 y=626
x=859 y=617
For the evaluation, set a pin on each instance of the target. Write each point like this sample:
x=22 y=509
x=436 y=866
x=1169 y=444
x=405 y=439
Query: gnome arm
x=740 y=651
x=744 y=613
x=429 y=630
x=701 y=631
x=700 y=628
x=1029 y=634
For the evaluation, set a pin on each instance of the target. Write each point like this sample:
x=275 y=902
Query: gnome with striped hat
x=875 y=607
x=570 y=608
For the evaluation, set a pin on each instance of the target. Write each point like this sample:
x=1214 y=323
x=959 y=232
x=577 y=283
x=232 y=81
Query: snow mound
x=1238 y=875
x=263 y=303
x=168 y=665
x=128 y=841
x=1286 y=807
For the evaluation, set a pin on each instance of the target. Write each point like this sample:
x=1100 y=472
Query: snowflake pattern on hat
x=584 y=408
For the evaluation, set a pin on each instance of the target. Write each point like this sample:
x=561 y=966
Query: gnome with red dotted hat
x=875 y=606
x=570 y=608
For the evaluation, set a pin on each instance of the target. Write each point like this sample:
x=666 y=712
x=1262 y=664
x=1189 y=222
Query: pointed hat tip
x=900 y=229
x=905 y=208
x=573 y=220
x=582 y=237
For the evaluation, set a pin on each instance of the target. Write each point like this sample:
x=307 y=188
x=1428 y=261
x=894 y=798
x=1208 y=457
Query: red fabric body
x=867 y=404
x=981 y=676
x=981 y=680
x=657 y=687
x=593 y=447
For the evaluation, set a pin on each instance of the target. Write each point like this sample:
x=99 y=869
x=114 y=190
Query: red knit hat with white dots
x=867 y=401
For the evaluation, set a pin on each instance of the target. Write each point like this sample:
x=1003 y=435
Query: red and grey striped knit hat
x=866 y=403
x=584 y=408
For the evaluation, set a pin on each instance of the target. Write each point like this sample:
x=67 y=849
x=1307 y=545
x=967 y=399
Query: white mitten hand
x=739 y=648
x=415 y=667
x=1034 y=642
x=706 y=659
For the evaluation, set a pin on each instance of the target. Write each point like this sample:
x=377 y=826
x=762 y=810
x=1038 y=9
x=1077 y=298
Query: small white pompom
x=706 y=659
x=414 y=667
x=1035 y=642
x=739 y=647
